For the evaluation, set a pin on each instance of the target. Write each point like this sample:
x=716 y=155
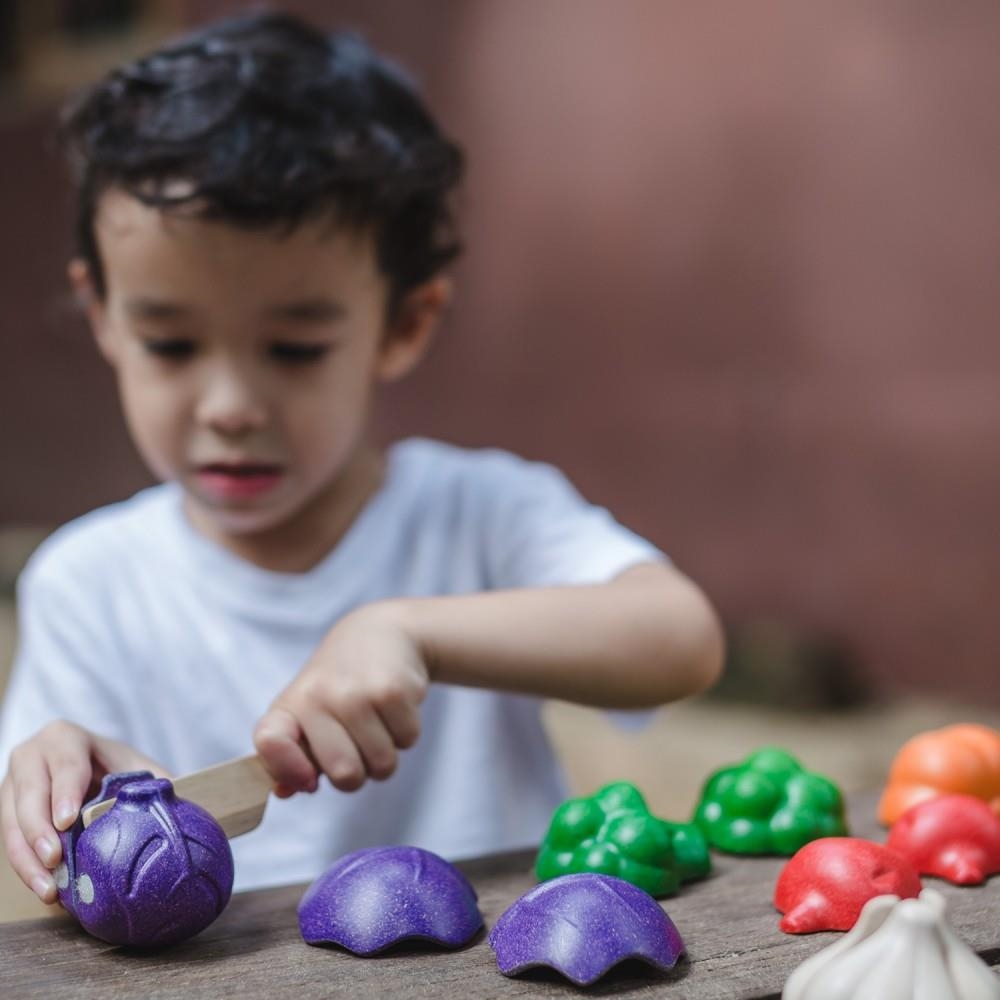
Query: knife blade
x=234 y=792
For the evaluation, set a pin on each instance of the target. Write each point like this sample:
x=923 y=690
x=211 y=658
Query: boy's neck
x=299 y=545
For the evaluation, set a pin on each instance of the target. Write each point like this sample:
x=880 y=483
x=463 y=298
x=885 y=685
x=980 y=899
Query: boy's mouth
x=238 y=480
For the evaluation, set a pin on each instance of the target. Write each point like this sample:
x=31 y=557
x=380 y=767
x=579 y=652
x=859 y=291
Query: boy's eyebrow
x=146 y=308
x=309 y=310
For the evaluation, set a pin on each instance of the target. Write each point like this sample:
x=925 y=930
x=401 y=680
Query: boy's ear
x=409 y=333
x=90 y=302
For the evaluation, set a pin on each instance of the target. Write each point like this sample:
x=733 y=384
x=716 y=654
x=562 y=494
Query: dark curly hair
x=267 y=121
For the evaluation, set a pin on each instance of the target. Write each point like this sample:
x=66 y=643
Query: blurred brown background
x=732 y=266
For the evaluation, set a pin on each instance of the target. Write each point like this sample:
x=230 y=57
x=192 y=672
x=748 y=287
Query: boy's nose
x=229 y=405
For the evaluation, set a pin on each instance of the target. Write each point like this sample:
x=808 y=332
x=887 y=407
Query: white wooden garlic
x=897 y=950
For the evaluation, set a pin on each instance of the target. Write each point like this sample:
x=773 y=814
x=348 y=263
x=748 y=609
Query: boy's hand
x=350 y=709
x=49 y=778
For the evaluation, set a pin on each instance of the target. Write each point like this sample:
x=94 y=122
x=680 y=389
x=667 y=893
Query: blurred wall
x=730 y=266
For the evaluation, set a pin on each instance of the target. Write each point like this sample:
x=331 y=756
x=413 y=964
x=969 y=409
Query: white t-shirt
x=136 y=627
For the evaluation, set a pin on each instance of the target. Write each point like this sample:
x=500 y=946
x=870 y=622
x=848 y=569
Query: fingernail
x=65 y=814
x=42 y=886
x=46 y=850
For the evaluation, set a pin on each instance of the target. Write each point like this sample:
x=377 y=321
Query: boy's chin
x=233 y=522
x=246 y=524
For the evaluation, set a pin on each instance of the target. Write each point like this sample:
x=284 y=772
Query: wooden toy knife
x=234 y=792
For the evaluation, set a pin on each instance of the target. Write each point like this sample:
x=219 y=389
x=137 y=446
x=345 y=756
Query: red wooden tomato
x=956 y=837
x=826 y=883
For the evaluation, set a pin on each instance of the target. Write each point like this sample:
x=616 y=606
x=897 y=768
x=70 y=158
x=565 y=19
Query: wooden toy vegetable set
x=156 y=869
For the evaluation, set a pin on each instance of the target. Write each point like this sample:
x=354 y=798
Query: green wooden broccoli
x=768 y=805
x=612 y=832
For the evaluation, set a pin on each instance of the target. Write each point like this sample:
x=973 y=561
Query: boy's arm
x=647 y=637
x=568 y=604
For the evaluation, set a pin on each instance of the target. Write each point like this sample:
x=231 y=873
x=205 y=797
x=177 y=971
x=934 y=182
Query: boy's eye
x=170 y=347
x=292 y=353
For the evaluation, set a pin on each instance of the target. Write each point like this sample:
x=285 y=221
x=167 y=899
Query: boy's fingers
x=373 y=742
x=31 y=804
x=403 y=723
x=70 y=777
x=278 y=740
x=44 y=790
x=334 y=751
x=22 y=858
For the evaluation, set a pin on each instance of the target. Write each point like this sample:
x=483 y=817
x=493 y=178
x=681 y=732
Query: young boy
x=263 y=233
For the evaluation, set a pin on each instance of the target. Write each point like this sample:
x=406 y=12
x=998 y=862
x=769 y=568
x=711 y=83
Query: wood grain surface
x=736 y=951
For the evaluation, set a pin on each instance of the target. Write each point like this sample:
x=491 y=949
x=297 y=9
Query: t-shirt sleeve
x=541 y=532
x=63 y=662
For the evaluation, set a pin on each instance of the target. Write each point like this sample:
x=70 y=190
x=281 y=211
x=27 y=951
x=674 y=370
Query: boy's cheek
x=157 y=441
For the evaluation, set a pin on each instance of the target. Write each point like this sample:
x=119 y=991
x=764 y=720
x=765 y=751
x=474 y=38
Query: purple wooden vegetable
x=151 y=871
x=583 y=925
x=376 y=897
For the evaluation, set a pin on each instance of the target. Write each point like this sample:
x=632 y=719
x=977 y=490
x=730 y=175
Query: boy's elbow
x=698 y=645
x=685 y=648
x=708 y=653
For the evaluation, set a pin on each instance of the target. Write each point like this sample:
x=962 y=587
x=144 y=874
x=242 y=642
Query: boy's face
x=246 y=359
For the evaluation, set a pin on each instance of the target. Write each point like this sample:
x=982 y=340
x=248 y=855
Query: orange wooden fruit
x=963 y=758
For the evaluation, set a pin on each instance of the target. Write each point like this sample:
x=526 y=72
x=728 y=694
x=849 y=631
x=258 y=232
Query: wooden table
x=254 y=950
